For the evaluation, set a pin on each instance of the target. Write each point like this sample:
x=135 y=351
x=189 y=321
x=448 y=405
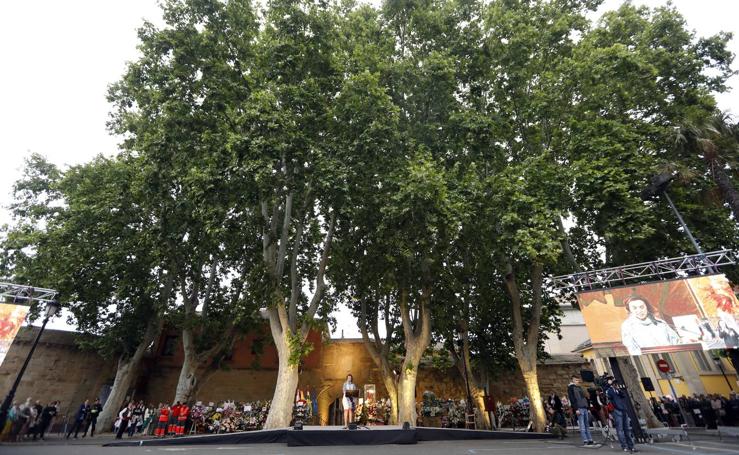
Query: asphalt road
x=566 y=447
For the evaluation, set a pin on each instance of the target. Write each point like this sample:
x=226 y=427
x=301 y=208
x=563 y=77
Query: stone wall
x=554 y=375
x=58 y=370
x=341 y=357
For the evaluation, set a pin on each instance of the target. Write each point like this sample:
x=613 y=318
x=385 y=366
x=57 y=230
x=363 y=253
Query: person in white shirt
x=347 y=401
x=642 y=330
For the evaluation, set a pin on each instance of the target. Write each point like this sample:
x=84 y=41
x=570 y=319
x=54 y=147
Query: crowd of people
x=601 y=406
x=580 y=407
x=700 y=410
x=606 y=406
x=28 y=420
x=180 y=419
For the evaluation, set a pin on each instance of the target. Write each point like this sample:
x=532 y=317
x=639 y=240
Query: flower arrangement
x=229 y=416
x=515 y=413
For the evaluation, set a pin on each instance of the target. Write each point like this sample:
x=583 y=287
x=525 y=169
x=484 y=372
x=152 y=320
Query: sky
x=58 y=58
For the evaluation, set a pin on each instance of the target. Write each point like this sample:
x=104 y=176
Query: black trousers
x=76 y=427
x=90 y=426
x=122 y=429
x=44 y=425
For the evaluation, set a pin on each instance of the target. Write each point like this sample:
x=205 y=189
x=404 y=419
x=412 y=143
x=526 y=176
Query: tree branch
x=294 y=278
x=510 y=283
x=320 y=283
x=405 y=316
x=286 y=221
x=209 y=288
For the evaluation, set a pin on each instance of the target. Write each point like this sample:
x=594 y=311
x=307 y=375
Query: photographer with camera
x=618 y=408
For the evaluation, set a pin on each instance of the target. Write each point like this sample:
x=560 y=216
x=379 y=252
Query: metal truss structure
x=26 y=294
x=681 y=267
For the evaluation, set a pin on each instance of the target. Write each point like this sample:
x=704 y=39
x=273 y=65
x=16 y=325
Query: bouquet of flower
x=455 y=413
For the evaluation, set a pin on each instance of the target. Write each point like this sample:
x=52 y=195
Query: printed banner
x=11 y=319
x=678 y=315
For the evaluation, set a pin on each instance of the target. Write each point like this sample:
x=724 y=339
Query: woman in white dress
x=347 y=401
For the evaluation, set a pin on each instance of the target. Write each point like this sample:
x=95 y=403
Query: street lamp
x=52 y=307
x=717 y=361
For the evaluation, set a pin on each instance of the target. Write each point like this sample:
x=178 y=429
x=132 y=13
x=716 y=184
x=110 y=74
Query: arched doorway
x=336 y=413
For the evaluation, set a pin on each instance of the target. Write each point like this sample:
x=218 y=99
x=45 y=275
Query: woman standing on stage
x=348 y=401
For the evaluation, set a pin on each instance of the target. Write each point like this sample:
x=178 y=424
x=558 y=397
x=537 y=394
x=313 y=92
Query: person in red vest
x=182 y=419
x=163 y=420
x=173 y=418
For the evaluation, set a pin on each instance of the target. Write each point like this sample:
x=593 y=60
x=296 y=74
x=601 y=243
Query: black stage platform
x=335 y=436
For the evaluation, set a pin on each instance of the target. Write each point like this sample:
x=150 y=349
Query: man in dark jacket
x=579 y=402
x=47 y=415
x=79 y=419
x=617 y=396
x=92 y=417
x=732 y=409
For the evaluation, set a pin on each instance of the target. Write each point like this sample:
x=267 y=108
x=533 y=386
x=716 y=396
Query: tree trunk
x=633 y=385
x=388 y=379
x=417 y=339
x=538 y=416
x=126 y=374
x=392 y=393
x=197 y=367
x=124 y=378
x=526 y=349
x=281 y=409
x=407 y=394
x=379 y=351
x=478 y=395
x=188 y=380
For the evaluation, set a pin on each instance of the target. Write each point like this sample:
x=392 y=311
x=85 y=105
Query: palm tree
x=716 y=143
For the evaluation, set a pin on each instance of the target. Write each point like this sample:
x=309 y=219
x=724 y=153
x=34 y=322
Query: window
x=170 y=344
x=704 y=364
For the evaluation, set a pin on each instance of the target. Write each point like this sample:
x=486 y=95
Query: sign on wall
x=678 y=315
x=11 y=319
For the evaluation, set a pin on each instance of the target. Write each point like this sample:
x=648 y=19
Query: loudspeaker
x=406 y=426
x=587 y=376
x=352 y=426
x=647 y=383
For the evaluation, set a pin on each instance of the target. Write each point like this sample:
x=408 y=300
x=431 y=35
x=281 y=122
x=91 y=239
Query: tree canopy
x=431 y=163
